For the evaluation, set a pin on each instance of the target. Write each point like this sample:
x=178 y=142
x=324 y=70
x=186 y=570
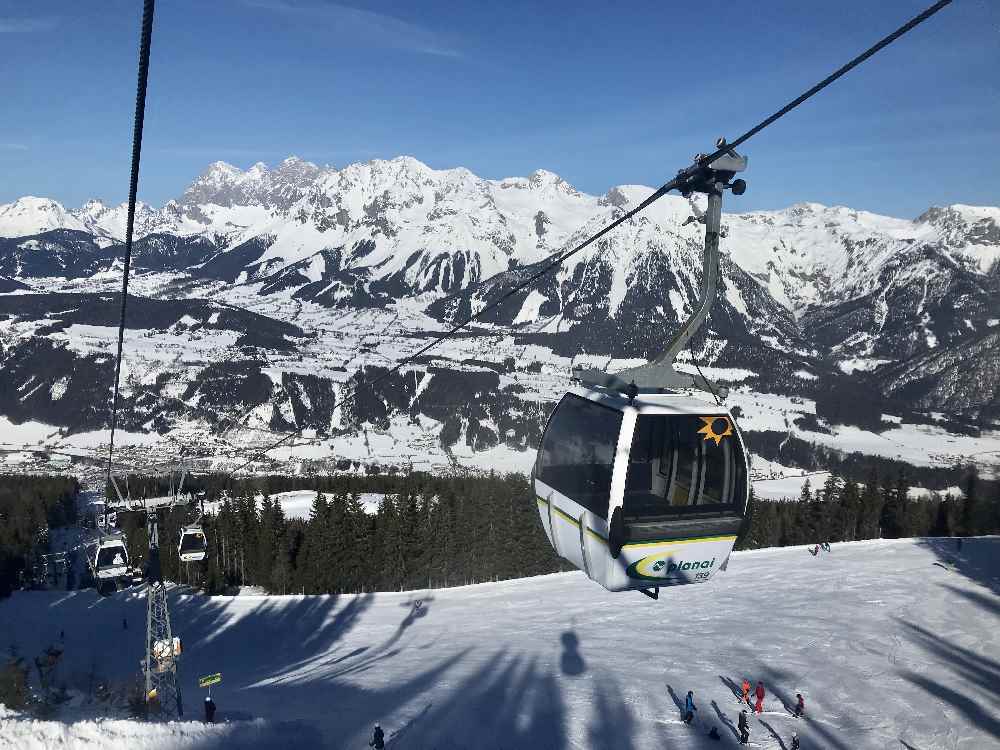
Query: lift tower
x=163 y=695
x=162 y=648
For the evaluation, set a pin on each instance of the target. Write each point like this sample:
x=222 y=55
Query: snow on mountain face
x=394 y=244
x=414 y=229
x=224 y=185
x=973 y=231
x=112 y=221
x=29 y=215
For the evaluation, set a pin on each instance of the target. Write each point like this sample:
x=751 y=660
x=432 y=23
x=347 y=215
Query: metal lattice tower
x=163 y=696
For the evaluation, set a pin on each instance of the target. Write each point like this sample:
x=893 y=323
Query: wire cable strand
x=140 y=113
x=683 y=175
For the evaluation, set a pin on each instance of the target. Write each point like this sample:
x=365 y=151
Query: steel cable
x=140 y=114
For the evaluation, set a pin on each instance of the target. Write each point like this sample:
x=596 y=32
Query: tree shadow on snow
x=979 y=673
x=416 y=609
x=396 y=735
x=287 y=646
x=770 y=729
x=508 y=702
x=373 y=654
x=978 y=559
x=737 y=691
x=726 y=720
x=990 y=603
x=613 y=725
x=677 y=701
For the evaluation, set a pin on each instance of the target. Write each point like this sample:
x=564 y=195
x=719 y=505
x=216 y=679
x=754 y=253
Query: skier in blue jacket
x=689 y=707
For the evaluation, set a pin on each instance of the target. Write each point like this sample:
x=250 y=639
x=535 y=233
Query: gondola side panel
x=565 y=516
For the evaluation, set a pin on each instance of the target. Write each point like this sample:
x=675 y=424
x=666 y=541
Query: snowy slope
x=889 y=649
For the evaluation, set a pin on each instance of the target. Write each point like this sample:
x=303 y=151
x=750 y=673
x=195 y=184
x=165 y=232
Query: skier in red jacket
x=759 y=692
x=800 y=705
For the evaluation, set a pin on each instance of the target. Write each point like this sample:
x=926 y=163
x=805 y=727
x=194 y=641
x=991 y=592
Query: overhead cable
x=140 y=114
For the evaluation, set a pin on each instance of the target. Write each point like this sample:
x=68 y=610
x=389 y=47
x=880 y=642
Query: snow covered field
x=889 y=648
x=298 y=503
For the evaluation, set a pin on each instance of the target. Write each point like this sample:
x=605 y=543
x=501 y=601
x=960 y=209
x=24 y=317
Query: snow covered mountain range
x=263 y=291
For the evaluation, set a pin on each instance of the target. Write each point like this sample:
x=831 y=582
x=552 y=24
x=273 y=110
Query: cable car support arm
x=711 y=178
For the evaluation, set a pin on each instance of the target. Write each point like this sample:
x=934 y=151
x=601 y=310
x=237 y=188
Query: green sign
x=210 y=679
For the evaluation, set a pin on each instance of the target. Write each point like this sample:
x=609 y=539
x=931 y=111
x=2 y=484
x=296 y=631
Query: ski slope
x=891 y=645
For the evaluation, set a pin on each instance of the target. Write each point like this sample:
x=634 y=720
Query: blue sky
x=603 y=94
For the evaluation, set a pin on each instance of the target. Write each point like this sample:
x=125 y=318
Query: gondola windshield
x=681 y=464
x=192 y=541
x=577 y=455
x=111 y=556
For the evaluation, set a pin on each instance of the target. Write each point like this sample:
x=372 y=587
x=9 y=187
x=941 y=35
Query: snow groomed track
x=892 y=643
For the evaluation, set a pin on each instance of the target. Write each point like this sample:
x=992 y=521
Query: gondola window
x=578 y=452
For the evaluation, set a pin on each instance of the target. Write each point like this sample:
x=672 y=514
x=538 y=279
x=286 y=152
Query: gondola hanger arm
x=711 y=175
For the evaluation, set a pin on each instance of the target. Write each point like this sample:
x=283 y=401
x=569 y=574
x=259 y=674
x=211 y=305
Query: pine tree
x=970 y=506
x=264 y=552
x=281 y=573
x=921 y=516
x=337 y=540
x=805 y=496
x=871 y=508
x=994 y=512
x=356 y=553
x=850 y=511
x=942 y=518
x=891 y=520
x=908 y=522
x=310 y=574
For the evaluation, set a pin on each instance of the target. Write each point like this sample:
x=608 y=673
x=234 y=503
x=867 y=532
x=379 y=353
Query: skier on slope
x=689 y=708
x=800 y=705
x=759 y=692
x=209 y=710
x=746 y=691
x=795 y=742
x=744 y=725
x=378 y=738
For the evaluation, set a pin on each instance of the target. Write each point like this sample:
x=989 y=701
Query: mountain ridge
x=809 y=296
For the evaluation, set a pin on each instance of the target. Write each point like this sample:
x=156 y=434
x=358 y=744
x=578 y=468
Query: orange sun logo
x=709 y=430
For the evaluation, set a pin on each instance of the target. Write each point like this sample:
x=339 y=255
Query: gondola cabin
x=110 y=556
x=192 y=546
x=641 y=493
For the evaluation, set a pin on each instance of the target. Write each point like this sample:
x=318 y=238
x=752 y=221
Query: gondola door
x=573 y=476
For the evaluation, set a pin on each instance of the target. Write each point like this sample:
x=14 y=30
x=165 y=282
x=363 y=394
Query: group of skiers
x=744 y=723
x=378 y=736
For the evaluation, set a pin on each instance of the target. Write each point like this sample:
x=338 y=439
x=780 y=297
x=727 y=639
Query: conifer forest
x=433 y=532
